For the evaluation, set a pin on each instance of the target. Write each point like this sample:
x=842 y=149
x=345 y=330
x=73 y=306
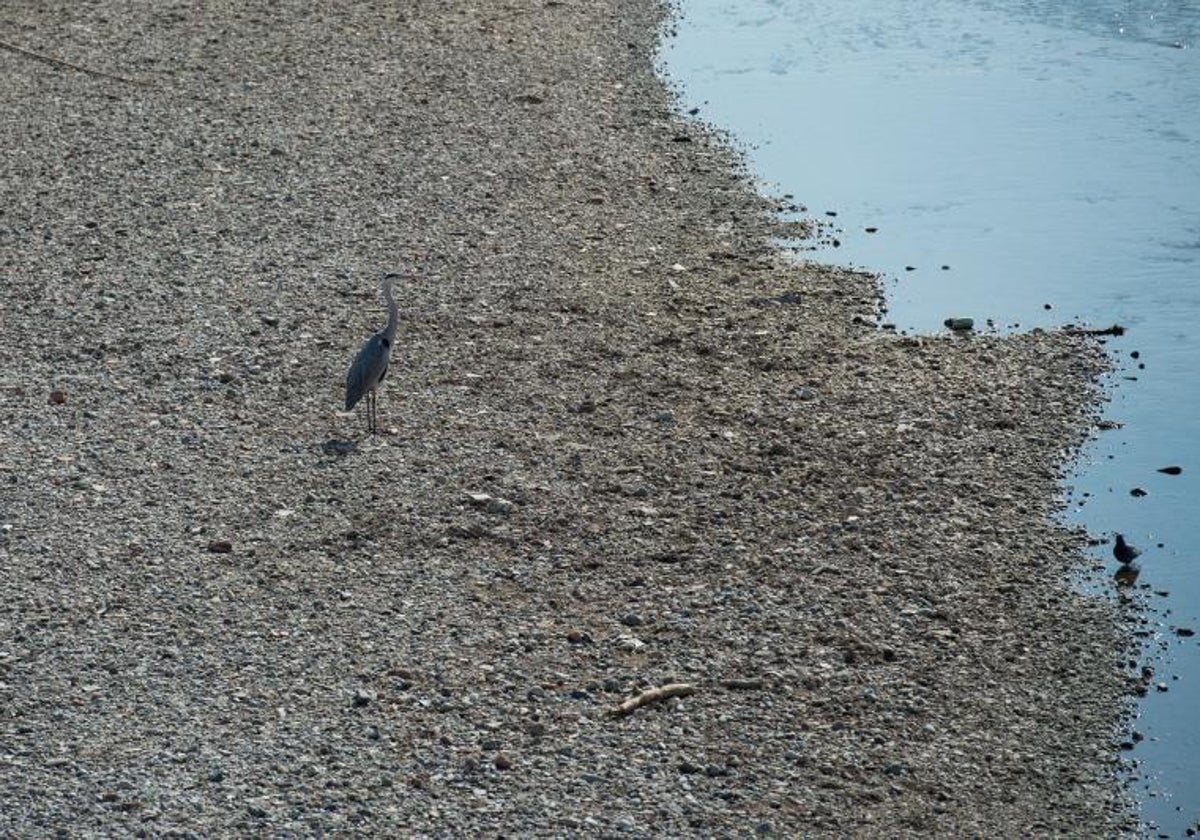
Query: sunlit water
x=1044 y=153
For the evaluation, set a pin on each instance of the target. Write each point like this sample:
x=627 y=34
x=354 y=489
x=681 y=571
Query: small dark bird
x=370 y=366
x=1124 y=552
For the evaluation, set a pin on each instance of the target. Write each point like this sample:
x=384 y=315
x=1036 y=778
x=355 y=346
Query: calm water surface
x=1047 y=154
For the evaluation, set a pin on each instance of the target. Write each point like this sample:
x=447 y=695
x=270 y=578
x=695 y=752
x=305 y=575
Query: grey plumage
x=370 y=365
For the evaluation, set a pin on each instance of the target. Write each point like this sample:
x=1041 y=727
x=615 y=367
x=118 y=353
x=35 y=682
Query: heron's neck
x=389 y=332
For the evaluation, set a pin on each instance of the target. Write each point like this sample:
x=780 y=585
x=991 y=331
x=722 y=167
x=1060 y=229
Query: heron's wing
x=367 y=369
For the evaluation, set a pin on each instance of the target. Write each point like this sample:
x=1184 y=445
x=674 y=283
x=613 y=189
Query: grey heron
x=1124 y=552
x=370 y=366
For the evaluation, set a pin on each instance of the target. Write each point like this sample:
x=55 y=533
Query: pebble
x=628 y=643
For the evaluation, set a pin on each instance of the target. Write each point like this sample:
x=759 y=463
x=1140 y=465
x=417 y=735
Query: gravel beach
x=628 y=443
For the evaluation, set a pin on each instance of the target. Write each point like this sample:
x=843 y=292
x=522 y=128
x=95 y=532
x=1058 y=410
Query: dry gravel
x=629 y=444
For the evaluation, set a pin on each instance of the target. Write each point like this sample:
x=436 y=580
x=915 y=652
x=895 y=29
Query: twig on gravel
x=60 y=63
x=652 y=695
x=755 y=684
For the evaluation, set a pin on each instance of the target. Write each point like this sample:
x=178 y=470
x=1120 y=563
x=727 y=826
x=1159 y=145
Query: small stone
x=491 y=504
x=576 y=637
x=1138 y=492
x=220 y=547
x=1161 y=687
x=503 y=762
x=628 y=643
x=57 y=397
x=226 y=377
x=337 y=446
x=363 y=697
x=806 y=393
x=216 y=776
x=1172 y=470
x=664 y=416
x=960 y=324
x=1185 y=632
x=270 y=320
x=632 y=620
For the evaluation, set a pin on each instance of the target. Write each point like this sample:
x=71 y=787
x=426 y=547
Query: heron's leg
x=371 y=411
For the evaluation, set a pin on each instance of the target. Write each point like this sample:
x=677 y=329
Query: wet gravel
x=628 y=444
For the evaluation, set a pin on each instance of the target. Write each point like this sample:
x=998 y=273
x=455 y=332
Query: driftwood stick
x=58 y=62
x=652 y=695
x=753 y=684
x=1115 y=329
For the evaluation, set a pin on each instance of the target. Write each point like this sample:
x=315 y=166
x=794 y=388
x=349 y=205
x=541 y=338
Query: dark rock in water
x=1185 y=632
x=960 y=324
x=335 y=446
x=1171 y=470
x=1138 y=492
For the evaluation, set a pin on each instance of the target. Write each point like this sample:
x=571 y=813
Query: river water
x=1032 y=163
